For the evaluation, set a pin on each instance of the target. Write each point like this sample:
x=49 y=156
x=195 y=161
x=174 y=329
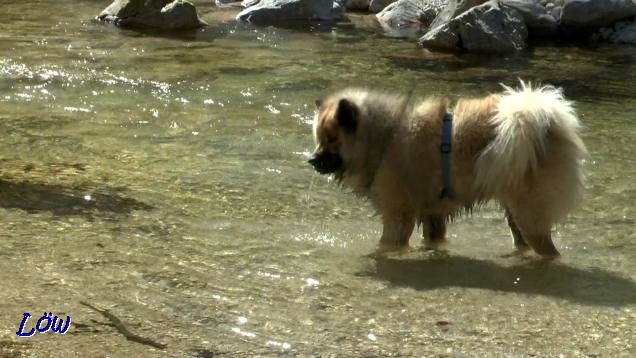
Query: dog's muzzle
x=326 y=162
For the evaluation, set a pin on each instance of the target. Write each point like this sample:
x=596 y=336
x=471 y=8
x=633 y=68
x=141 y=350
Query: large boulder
x=409 y=15
x=588 y=15
x=488 y=28
x=539 y=22
x=275 y=11
x=154 y=14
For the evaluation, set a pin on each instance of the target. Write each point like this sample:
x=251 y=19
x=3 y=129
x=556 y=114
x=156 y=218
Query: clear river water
x=164 y=178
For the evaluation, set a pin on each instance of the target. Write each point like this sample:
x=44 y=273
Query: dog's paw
x=384 y=251
x=519 y=252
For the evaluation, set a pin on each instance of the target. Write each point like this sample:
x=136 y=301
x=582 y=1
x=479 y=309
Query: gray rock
x=409 y=15
x=357 y=4
x=488 y=28
x=154 y=14
x=586 y=15
x=275 y=11
x=376 y=6
x=556 y=12
x=621 y=33
x=536 y=17
x=248 y=3
x=453 y=9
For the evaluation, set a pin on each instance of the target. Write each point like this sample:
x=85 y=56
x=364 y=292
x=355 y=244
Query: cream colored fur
x=520 y=148
x=526 y=120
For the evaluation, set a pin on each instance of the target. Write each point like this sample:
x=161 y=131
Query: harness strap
x=445 y=148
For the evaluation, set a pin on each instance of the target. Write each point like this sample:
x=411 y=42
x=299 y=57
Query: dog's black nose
x=313 y=161
x=326 y=162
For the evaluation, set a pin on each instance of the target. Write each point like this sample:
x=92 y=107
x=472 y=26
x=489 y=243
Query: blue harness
x=445 y=148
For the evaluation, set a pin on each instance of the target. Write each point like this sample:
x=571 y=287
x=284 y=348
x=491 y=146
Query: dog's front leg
x=434 y=232
x=397 y=228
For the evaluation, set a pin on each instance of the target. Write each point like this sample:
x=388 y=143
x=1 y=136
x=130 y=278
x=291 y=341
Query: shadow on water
x=60 y=200
x=592 y=286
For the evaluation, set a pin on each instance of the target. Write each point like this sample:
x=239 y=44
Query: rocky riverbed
x=480 y=26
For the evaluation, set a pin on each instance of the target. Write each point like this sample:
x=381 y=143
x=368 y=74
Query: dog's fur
x=520 y=147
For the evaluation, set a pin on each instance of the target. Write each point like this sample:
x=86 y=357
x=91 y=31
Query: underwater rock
x=152 y=14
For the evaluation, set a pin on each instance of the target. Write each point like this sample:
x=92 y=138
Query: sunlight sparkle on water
x=283 y=345
x=243 y=333
x=272 y=109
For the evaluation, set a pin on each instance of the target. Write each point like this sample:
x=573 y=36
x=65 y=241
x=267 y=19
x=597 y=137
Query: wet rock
x=154 y=14
x=488 y=28
x=376 y=6
x=274 y=11
x=588 y=15
x=357 y=4
x=409 y=14
x=538 y=21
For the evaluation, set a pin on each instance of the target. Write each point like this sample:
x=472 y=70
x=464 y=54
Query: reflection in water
x=593 y=286
x=59 y=200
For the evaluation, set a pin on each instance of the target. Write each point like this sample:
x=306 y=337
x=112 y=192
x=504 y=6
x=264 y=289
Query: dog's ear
x=318 y=103
x=347 y=115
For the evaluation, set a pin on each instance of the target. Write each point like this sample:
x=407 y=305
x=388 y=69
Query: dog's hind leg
x=542 y=244
x=520 y=244
x=533 y=227
x=434 y=230
x=517 y=238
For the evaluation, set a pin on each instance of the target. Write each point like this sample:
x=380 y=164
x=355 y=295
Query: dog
x=417 y=163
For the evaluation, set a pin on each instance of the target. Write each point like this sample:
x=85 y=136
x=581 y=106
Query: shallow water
x=164 y=177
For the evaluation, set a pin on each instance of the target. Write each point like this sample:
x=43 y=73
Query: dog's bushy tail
x=527 y=122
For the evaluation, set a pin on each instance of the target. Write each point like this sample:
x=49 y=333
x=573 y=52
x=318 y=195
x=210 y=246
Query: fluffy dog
x=520 y=147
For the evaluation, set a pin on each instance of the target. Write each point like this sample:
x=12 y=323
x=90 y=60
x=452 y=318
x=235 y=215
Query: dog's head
x=335 y=126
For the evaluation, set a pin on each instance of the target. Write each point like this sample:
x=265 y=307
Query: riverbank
x=478 y=26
